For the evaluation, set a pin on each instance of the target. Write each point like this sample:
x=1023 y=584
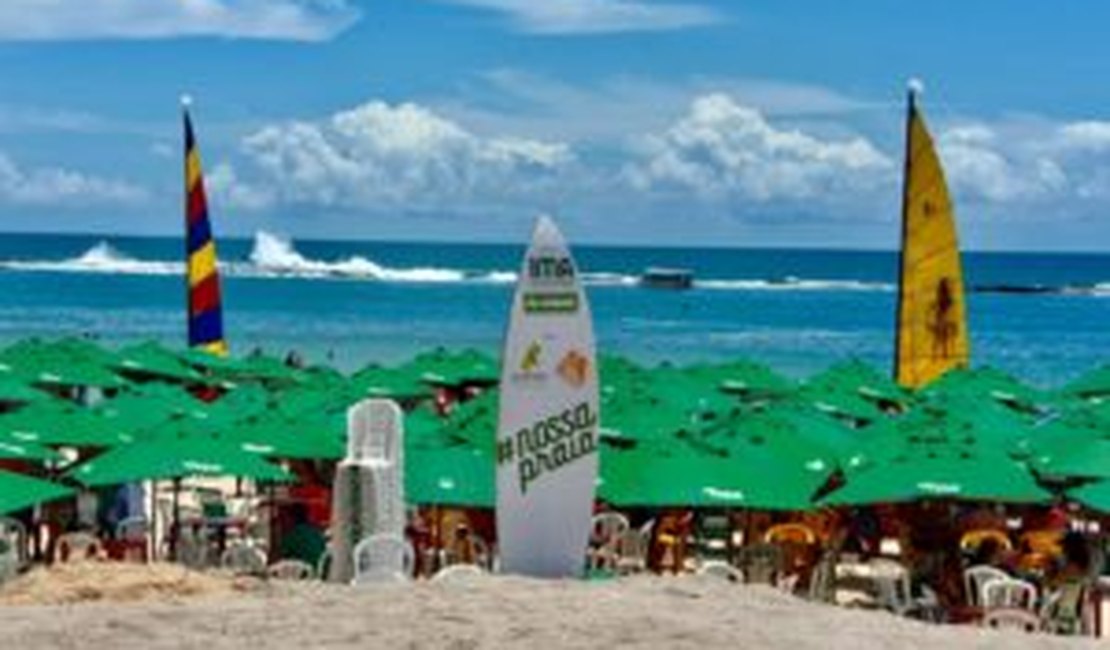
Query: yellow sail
x=932 y=313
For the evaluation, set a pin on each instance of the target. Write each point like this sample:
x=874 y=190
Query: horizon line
x=574 y=243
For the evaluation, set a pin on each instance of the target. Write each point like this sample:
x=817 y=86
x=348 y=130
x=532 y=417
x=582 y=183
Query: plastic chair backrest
x=290 y=570
x=974 y=579
x=77 y=547
x=1046 y=542
x=1008 y=593
x=719 y=569
x=323 y=564
x=1011 y=619
x=796 y=533
x=243 y=559
x=380 y=558
x=13 y=534
x=607 y=527
x=458 y=572
x=762 y=563
x=133 y=529
x=374 y=431
x=892 y=582
x=973 y=538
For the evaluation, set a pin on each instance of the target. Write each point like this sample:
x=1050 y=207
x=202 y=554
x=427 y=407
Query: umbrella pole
x=154 y=521
x=175 y=529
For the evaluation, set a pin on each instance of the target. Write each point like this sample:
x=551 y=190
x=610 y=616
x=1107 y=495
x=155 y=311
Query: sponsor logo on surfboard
x=564 y=302
x=550 y=443
x=530 y=369
x=574 y=368
x=551 y=268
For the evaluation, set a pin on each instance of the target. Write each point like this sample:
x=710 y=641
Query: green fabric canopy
x=14 y=390
x=458 y=475
x=59 y=423
x=1095 y=496
x=151 y=359
x=686 y=478
x=441 y=367
x=958 y=476
x=18 y=492
x=14 y=449
x=1093 y=384
x=164 y=460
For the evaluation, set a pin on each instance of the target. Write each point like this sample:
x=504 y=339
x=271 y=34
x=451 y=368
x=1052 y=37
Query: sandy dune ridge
x=165 y=607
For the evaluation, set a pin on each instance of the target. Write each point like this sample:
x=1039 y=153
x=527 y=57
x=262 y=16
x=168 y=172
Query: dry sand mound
x=116 y=582
x=490 y=612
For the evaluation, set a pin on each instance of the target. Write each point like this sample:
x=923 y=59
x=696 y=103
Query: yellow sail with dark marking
x=932 y=333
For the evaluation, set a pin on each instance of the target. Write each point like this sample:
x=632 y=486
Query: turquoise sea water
x=1044 y=317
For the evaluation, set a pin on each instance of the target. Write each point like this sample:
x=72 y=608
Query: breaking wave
x=275 y=256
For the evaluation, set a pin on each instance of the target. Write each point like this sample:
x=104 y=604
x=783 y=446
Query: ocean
x=1044 y=317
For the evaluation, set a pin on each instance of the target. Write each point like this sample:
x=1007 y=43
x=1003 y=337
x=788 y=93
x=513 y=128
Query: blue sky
x=753 y=123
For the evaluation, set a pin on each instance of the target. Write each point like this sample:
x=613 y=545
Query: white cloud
x=1089 y=135
x=722 y=150
x=298 y=20
x=1016 y=162
x=57 y=187
x=522 y=103
x=979 y=167
x=597 y=16
x=379 y=154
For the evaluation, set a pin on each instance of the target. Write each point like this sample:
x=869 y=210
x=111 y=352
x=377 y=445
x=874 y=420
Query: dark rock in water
x=659 y=278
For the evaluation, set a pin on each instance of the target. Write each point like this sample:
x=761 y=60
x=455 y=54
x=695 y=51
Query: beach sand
x=479 y=612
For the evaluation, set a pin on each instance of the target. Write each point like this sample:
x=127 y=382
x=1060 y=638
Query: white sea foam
x=793 y=284
x=275 y=255
x=101 y=258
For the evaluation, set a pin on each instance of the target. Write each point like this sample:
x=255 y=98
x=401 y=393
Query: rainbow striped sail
x=206 y=328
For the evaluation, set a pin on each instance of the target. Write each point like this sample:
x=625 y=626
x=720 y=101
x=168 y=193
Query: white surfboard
x=548 y=422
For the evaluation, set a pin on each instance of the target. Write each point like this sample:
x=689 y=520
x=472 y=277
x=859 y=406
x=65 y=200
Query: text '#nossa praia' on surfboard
x=550 y=443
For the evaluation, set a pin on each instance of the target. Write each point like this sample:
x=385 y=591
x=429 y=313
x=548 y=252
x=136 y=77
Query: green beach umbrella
x=295 y=438
x=1091 y=385
x=13 y=449
x=14 y=390
x=151 y=359
x=1074 y=458
x=858 y=378
x=986 y=383
x=18 y=492
x=686 y=478
x=954 y=476
x=442 y=367
x=457 y=475
x=164 y=459
x=59 y=423
x=388 y=382
x=745 y=378
x=1095 y=496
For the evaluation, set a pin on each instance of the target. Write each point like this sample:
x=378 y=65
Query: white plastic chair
x=974 y=579
x=243 y=559
x=458 y=573
x=606 y=530
x=1008 y=593
x=892 y=584
x=632 y=549
x=77 y=547
x=1011 y=619
x=134 y=533
x=13 y=536
x=721 y=569
x=323 y=565
x=295 y=570
x=382 y=558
